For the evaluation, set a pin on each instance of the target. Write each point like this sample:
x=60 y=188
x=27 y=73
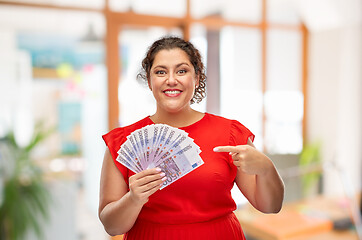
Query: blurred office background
x=289 y=70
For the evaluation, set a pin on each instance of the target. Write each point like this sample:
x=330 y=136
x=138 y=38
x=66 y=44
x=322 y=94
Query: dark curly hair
x=170 y=42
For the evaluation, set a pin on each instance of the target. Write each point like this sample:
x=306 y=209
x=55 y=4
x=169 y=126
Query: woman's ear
x=197 y=81
x=149 y=84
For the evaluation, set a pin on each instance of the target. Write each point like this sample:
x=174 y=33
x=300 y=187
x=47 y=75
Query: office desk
x=310 y=219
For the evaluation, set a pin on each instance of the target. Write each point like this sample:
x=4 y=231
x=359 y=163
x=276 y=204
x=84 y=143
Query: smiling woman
x=191 y=58
x=131 y=203
x=172 y=81
x=175 y=74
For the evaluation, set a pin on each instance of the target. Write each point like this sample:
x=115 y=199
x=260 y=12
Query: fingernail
x=216 y=149
x=158 y=169
x=162 y=174
x=164 y=179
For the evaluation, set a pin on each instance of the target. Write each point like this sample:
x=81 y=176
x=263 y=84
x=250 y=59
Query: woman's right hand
x=122 y=203
x=143 y=184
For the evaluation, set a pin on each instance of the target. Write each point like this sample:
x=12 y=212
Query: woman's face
x=172 y=80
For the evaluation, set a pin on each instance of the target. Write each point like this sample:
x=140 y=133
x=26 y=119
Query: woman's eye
x=183 y=71
x=160 y=72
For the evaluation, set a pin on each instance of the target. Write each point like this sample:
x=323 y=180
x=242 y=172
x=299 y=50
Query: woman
x=199 y=205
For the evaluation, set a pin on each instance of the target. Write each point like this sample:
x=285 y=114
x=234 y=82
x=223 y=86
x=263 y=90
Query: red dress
x=199 y=205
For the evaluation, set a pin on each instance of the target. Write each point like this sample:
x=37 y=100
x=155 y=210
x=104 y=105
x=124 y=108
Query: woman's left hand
x=247 y=159
x=258 y=179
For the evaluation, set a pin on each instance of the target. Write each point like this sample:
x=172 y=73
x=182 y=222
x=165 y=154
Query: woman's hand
x=257 y=177
x=248 y=159
x=143 y=184
x=119 y=203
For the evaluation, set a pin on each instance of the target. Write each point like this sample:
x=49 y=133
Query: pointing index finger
x=225 y=149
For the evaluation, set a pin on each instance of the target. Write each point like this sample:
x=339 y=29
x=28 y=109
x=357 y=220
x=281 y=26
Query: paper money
x=163 y=146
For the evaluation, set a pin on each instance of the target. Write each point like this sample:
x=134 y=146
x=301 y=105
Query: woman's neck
x=179 y=119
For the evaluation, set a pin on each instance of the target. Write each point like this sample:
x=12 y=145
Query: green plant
x=310 y=157
x=25 y=195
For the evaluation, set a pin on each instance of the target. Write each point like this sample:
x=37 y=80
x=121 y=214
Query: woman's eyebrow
x=178 y=65
x=160 y=66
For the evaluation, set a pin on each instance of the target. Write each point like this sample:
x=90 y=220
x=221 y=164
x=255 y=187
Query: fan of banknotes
x=162 y=146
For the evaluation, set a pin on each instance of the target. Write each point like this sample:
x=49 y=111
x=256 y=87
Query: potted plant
x=310 y=163
x=24 y=199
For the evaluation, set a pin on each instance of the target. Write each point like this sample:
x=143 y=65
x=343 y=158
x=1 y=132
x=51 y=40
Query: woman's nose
x=171 y=80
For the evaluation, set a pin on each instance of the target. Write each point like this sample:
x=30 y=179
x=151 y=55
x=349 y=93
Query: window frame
x=115 y=21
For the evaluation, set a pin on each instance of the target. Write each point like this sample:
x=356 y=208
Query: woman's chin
x=174 y=109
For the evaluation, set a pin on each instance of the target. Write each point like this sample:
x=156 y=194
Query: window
x=283 y=99
x=241 y=80
x=261 y=63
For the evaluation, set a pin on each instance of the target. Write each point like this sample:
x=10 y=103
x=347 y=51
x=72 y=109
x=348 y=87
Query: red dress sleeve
x=114 y=139
x=239 y=134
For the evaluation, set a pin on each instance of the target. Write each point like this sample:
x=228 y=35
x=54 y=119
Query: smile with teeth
x=172 y=92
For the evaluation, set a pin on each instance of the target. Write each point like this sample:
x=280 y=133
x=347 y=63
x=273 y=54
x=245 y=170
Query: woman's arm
x=257 y=177
x=118 y=207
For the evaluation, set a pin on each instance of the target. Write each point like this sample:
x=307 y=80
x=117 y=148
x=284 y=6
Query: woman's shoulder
x=218 y=118
x=235 y=127
x=125 y=130
x=136 y=125
x=221 y=119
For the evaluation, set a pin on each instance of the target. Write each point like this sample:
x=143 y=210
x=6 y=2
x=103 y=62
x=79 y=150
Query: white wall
x=335 y=90
x=94 y=125
x=14 y=20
